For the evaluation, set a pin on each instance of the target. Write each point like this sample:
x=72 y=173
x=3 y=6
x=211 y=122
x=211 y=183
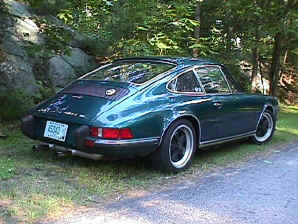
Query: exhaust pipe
x=86 y=155
x=62 y=151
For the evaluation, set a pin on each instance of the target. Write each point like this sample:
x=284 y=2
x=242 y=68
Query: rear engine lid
x=84 y=100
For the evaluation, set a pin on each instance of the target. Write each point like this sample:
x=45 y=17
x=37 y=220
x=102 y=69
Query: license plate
x=55 y=130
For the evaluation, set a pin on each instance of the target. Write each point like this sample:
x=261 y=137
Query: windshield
x=136 y=72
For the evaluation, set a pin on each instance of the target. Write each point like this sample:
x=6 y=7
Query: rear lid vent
x=97 y=90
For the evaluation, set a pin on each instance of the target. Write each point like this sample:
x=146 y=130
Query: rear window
x=134 y=72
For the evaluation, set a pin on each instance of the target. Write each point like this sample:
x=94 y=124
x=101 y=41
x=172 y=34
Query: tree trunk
x=195 y=52
x=275 y=65
x=255 y=61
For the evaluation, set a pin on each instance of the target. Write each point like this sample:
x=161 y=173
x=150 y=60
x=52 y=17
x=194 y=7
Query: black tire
x=177 y=148
x=265 y=128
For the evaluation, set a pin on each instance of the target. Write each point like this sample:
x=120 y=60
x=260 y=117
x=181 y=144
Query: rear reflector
x=89 y=143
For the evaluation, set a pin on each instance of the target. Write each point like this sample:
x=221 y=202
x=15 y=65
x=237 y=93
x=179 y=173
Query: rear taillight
x=111 y=133
x=125 y=133
x=96 y=132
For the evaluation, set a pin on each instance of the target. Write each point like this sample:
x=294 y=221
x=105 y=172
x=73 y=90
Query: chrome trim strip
x=219 y=67
x=93 y=71
x=226 y=139
x=128 y=141
x=183 y=115
x=199 y=80
x=223 y=74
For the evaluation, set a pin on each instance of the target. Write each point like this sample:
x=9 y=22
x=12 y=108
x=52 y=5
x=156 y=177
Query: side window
x=235 y=87
x=187 y=82
x=213 y=80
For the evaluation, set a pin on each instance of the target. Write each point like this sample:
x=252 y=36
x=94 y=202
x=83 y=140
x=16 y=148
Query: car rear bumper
x=122 y=148
x=115 y=148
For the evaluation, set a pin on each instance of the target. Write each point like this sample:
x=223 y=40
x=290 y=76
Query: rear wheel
x=265 y=128
x=177 y=148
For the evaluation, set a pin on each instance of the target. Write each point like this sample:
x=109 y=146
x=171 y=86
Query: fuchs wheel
x=265 y=129
x=177 y=148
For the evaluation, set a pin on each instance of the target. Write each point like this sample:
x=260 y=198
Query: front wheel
x=177 y=148
x=265 y=128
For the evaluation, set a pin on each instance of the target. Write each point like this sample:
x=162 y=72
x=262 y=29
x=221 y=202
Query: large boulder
x=63 y=69
x=16 y=74
x=15 y=66
x=17 y=9
x=60 y=72
x=22 y=66
x=80 y=61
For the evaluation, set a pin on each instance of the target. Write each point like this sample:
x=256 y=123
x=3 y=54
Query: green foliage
x=2 y=56
x=7 y=168
x=15 y=105
x=229 y=31
x=96 y=46
x=170 y=31
x=57 y=37
x=48 y=7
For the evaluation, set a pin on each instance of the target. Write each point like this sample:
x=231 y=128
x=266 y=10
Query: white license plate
x=55 y=130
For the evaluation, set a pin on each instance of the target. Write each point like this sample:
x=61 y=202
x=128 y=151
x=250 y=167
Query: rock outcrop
x=18 y=32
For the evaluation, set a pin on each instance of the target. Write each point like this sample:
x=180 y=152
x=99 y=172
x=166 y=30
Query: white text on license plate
x=55 y=130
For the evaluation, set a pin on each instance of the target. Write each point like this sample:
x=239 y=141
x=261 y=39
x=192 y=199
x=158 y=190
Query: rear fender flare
x=267 y=107
x=182 y=116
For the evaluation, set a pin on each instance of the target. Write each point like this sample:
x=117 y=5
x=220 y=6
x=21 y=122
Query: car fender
x=182 y=115
x=270 y=106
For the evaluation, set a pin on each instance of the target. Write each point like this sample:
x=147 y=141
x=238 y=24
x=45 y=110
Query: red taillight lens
x=96 y=132
x=110 y=133
x=125 y=133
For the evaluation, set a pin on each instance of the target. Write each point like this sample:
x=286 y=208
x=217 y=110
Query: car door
x=223 y=111
x=247 y=106
x=189 y=98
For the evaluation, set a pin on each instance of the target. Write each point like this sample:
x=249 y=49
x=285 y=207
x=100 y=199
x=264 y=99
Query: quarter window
x=234 y=85
x=187 y=82
x=213 y=80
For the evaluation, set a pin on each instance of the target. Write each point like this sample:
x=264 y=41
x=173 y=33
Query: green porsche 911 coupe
x=162 y=108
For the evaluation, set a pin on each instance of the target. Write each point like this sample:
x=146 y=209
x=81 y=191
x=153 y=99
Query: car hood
x=84 y=100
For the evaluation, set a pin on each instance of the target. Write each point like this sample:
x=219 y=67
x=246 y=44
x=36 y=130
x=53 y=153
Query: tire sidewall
x=166 y=142
x=255 y=140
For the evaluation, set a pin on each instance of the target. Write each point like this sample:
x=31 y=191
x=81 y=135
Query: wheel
x=265 y=129
x=177 y=148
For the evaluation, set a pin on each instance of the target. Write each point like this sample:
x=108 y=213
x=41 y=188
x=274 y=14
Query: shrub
x=15 y=104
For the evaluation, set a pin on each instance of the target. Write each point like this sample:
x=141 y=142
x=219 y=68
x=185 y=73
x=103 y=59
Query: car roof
x=180 y=61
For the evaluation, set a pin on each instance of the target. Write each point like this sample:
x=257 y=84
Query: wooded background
x=256 y=37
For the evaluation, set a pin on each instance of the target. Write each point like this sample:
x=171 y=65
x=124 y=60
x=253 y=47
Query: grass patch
x=39 y=186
